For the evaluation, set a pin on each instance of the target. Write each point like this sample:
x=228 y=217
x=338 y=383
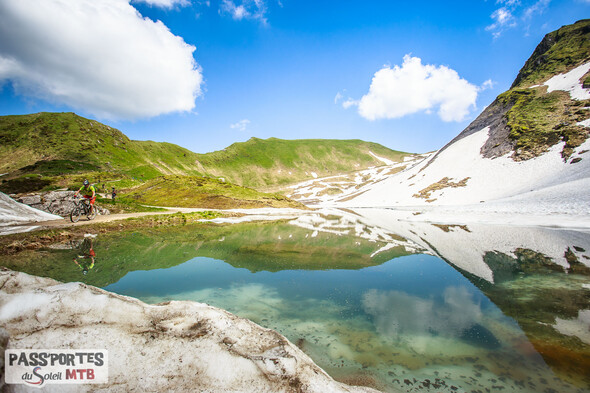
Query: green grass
x=120 y=205
x=47 y=141
x=560 y=51
x=538 y=121
x=201 y=192
x=260 y=163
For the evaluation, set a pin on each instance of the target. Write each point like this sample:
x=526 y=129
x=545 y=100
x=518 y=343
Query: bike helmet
x=86 y=182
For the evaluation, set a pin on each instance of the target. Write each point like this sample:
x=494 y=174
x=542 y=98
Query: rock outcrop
x=54 y=202
x=14 y=213
x=175 y=346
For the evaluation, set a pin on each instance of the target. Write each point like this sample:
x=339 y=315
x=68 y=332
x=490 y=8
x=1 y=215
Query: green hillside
x=263 y=162
x=185 y=191
x=51 y=150
x=57 y=139
x=558 y=52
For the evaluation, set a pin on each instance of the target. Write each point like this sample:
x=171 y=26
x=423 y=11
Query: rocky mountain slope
x=529 y=150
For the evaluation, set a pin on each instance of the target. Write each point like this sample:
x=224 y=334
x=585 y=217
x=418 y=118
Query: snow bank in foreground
x=14 y=213
x=173 y=346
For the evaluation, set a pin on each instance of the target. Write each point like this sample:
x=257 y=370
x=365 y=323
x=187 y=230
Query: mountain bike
x=82 y=207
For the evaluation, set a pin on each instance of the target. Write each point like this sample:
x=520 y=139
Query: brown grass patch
x=443 y=183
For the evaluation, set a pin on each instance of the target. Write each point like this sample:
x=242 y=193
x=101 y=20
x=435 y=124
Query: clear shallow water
x=413 y=323
x=397 y=306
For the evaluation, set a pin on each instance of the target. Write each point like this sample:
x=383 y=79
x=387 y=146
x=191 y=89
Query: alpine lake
x=374 y=301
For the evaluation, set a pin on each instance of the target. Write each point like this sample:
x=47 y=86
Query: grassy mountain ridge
x=273 y=161
x=43 y=145
x=27 y=139
x=558 y=52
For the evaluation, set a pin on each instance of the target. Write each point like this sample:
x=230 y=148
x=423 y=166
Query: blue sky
x=205 y=74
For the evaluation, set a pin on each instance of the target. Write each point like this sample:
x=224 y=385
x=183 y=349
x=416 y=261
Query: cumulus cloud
x=101 y=57
x=241 y=125
x=415 y=87
x=246 y=9
x=346 y=102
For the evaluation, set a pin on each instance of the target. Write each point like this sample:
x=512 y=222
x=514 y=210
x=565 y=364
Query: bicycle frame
x=82 y=206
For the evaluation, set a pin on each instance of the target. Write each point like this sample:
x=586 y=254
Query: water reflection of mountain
x=254 y=246
x=538 y=276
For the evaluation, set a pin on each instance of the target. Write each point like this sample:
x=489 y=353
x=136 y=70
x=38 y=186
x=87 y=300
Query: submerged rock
x=173 y=346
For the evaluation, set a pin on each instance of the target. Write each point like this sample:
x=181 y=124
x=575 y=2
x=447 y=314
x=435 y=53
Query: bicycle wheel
x=75 y=214
x=91 y=215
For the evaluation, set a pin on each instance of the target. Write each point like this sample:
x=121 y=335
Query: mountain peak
x=558 y=52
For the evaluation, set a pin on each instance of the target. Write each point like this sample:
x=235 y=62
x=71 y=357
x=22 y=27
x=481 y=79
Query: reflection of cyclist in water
x=87 y=256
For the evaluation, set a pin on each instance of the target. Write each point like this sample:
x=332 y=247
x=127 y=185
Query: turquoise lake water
x=414 y=322
x=399 y=306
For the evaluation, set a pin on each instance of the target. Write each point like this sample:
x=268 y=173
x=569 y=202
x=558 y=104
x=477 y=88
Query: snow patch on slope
x=484 y=179
x=382 y=159
x=326 y=190
x=570 y=82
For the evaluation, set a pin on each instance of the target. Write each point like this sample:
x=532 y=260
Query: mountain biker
x=89 y=193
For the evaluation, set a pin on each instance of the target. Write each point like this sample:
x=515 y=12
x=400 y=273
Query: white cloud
x=414 y=87
x=246 y=9
x=241 y=125
x=101 y=57
x=489 y=84
x=537 y=8
x=350 y=102
x=509 y=3
x=163 y=3
x=514 y=13
x=503 y=19
x=347 y=103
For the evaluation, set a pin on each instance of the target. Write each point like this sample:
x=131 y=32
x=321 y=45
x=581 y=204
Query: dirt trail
x=65 y=222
